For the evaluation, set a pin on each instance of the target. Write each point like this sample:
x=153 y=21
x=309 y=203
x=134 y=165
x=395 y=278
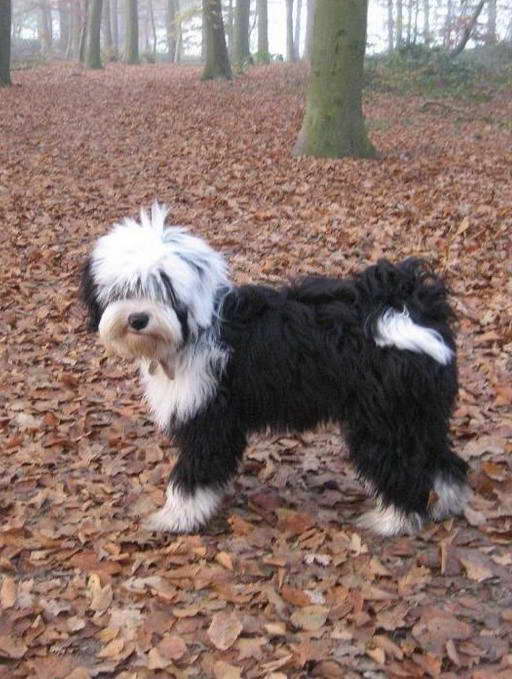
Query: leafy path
x=282 y=585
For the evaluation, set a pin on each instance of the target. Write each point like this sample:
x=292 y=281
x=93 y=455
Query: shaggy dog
x=218 y=362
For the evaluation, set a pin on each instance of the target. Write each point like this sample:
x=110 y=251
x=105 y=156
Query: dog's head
x=150 y=288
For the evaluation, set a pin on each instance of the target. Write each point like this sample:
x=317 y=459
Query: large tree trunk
x=310 y=21
x=242 y=53
x=83 y=32
x=45 y=26
x=5 y=42
x=390 y=26
x=298 y=26
x=132 y=32
x=170 y=22
x=217 y=60
x=93 y=52
x=64 y=24
x=153 y=27
x=333 y=123
x=399 y=24
x=290 y=47
x=229 y=26
x=262 y=11
x=114 y=20
x=107 y=30
x=426 y=22
x=468 y=30
x=491 y=22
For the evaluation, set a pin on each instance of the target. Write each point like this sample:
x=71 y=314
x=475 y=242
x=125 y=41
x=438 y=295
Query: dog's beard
x=158 y=342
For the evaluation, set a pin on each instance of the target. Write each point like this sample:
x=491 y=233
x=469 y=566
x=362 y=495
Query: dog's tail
x=410 y=308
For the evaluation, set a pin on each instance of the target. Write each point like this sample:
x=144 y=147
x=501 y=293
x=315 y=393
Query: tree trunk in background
x=468 y=30
x=114 y=22
x=298 y=22
x=132 y=33
x=333 y=124
x=310 y=20
x=228 y=27
x=262 y=12
x=83 y=32
x=448 y=25
x=217 y=61
x=241 y=52
x=64 y=24
x=5 y=42
x=290 y=48
x=426 y=22
x=491 y=37
x=390 y=26
x=409 y=23
x=399 y=24
x=45 y=26
x=93 y=52
x=107 y=30
x=153 y=28
x=171 y=28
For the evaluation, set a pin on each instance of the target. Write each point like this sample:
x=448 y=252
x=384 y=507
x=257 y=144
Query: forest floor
x=284 y=585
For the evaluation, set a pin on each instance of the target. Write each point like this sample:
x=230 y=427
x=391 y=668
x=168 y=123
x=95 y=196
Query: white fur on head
x=397 y=329
x=128 y=261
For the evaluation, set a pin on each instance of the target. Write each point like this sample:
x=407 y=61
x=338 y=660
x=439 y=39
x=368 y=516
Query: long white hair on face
x=128 y=262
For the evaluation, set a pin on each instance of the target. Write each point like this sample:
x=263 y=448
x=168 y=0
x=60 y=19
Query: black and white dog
x=375 y=352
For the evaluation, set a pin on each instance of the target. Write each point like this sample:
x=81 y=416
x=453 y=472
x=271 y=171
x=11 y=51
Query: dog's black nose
x=138 y=321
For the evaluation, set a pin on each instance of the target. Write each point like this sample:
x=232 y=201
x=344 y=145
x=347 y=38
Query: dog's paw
x=388 y=521
x=185 y=512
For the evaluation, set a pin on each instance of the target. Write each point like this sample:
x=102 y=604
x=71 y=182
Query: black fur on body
x=304 y=354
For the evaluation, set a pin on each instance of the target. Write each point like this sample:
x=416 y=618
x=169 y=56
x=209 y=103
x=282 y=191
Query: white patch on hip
x=452 y=497
x=395 y=328
x=196 y=371
x=390 y=521
x=183 y=513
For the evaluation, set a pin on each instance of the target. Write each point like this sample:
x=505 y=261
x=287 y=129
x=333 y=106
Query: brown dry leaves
x=288 y=587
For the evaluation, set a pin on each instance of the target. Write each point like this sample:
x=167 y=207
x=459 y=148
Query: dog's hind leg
x=210 y=448
x=399 y=444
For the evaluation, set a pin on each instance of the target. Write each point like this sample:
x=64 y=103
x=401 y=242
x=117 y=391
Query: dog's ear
x=88 y=296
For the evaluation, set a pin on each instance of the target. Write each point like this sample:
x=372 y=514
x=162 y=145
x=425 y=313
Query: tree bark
x=114 y=21
x=468 y=30
x=290 y=47
x=390 y=26
x=93 y=52
x=242 y=53
x=83 y=32
x=153 y=27
x=217 y=60
x=310 y=21
x=262 y=11
x=132 y=32
x=64 y=24
x=171 y=28
x=333 y=124
x=5 y=42
x=298 y=26
x=426 y=22
x=399 y=24
x=107 y=30
x=45 y=26
x=491 y=22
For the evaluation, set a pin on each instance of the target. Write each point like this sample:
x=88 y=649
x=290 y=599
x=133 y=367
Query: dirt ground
x=282 y=584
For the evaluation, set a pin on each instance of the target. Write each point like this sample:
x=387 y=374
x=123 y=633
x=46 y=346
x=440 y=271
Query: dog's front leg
x=210 y=450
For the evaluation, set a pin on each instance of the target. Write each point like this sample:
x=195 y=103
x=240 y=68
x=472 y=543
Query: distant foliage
x=416 y=69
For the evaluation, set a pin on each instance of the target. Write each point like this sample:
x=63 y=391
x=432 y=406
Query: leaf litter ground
x=281 y=585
